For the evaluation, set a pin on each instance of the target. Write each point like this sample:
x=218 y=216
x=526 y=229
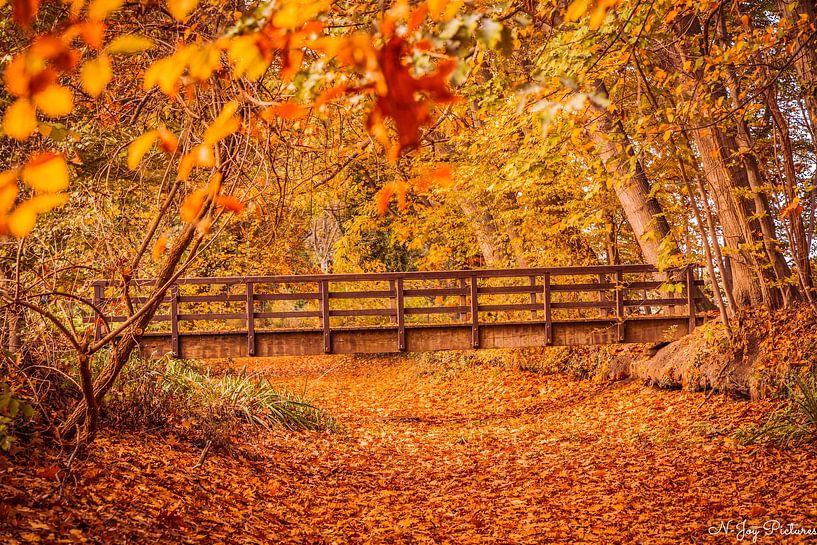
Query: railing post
x=174 y=321
x=532 y=296
x=401 y=319
x=548 y=317
x=250 y=320
x=392 y=300
x=690 y=280
x=463 y=301
x=327 y=339
x=474 y=312
x=99 y=291
x=603 y=312
x=620 y=305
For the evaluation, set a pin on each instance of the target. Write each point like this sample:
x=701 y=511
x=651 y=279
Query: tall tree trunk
x=485 y=232
x=805 y=63
x=642 y=210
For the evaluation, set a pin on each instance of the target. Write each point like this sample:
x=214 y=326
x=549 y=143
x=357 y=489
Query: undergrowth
x=794 y=423
x=186 y=398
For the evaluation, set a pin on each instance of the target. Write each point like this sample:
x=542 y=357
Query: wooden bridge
x=410 y=311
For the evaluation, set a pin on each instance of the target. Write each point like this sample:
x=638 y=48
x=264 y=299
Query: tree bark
x=642 y=210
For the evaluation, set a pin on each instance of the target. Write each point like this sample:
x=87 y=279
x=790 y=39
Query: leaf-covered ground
x=430 y=453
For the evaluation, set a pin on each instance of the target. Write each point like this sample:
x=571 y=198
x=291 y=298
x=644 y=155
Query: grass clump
x=203 y=406
x=792 y=424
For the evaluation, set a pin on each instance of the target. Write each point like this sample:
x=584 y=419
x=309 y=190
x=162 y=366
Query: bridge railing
x=406 y=299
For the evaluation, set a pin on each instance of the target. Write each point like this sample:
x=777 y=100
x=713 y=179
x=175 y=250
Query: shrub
x=11 y=411
x=795 y=422
x=186 y=397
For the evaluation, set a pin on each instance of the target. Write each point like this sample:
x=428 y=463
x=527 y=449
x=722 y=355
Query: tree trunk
x=642 y=210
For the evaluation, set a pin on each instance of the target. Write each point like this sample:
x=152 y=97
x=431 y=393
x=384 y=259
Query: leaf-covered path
x=433 y=452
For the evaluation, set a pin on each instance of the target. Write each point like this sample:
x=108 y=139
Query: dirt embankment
x=766 y=351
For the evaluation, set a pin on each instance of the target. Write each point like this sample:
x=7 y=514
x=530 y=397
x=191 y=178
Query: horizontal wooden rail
x=406 y=300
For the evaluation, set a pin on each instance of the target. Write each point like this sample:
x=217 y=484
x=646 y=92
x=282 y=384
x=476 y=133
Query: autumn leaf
x=191 y=206
x=295 y=13
x=383 y=198
x=95 y=75
x=139 y=147
x=20 y=119
x=100 y=9
x=224 y=125
x=180 y=9
x=229 y=203
x=25 y=11
x=55 y=101
x=159 y=247
x=791 y=209
x=285 y=110
x=167 y=140
x=23 y=218
x=129 y=44
x=576 y=10
x=46 y=172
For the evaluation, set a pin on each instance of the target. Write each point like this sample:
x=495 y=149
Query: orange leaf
x=25 y=11
x=46 y=172
x=180 y=9
x=93 y=33
x=191 y=206
x=20 y=119
x=100 y=9
x=168 y=140
x=139 y=147
x=383 y=198
x=224 y=125
x=330 y=94
x=95 y=75
x=285 y=110
x=22 y=220
x=159 y=248
x=230 y=203
x=55 y=101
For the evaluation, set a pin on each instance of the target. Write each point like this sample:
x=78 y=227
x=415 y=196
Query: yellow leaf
x=160 y=247
x=45 y=203
x=55 y=101
x=225 y=124
x=204 y=61
x=576 y=9
x=99 y=9
x=22 y=220
x=180 y=9
x=20 y=120
x=246 y=58
x=46 y=173
x=295 y=13
x=139 y=147
x=95 y=75
x=597 y=17
x=451 y=10
x=435 y=8
x=8 y=190
x=166 y=72
x=129 y=44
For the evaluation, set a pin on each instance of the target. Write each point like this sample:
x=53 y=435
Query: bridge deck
x=414 y=312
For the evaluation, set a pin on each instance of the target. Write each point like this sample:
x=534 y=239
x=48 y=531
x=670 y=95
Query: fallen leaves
x=433 y=451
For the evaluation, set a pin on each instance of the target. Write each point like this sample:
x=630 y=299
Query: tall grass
x=795 y=422
x=206 y=407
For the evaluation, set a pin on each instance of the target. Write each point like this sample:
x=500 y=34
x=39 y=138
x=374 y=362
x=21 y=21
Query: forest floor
x=431 y=452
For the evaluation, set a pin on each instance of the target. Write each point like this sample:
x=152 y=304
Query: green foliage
x=794 y=423
x=11 y=409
